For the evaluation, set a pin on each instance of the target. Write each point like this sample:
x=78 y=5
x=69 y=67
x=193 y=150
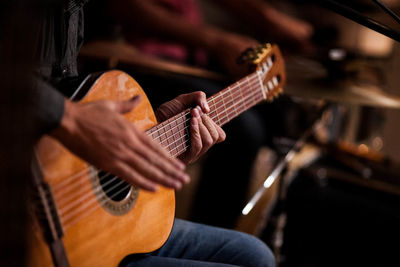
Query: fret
x=163 y=136
x=174 y=133
x=242 y=99
x=171 y=135
x=250 y=100
x=217 y=121
x=187 y=133
x=232 y=100
x=184 y=133
x=225 y=117
x=158 y=137
x=181 y=133
x=154 y=134
x=251 y=93
x=261 y=84
x=243 y=103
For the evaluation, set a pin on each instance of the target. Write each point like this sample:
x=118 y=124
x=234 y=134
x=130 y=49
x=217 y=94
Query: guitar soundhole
x=114 y=194
x=114 y=187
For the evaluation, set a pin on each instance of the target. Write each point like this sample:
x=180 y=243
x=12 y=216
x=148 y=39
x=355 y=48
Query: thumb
x=126 y=106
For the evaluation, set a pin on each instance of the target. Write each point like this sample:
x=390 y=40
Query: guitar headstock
x=270 y=67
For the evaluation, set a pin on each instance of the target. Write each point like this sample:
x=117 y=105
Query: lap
x=192 y=244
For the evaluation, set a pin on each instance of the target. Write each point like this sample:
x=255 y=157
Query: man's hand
x=287 y=28
x=204 y=132
x=227 y=48
x=98 y=133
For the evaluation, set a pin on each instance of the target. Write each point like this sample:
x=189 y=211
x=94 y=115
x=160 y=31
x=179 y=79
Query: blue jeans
x=192 y=244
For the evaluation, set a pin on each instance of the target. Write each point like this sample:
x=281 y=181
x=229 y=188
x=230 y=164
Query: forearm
x=47 y=105
x=253 y=11
x=152 y=18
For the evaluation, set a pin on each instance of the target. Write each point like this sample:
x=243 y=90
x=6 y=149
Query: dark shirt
x=39 y=43
x=59 y=38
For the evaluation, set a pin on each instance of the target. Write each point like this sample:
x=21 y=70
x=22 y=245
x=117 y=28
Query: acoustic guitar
x=88 y=217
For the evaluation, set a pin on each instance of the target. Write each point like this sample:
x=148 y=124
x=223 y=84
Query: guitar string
x=168 y=139
x=65 y=217
x=110 y=181
x=91 y=207
x=252 y=77
x=67 y=189
x=219 y=95
x=89 y=188
x=229 y=102
x=232 y=101
x=227 y=115
x=171 y=137
x=62 y=211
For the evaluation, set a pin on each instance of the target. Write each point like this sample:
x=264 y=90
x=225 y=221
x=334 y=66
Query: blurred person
x=19 y=129
x=56 y=35
x=176 y=30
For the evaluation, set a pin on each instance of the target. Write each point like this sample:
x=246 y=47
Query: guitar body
x=98 y=229
x=99 y=217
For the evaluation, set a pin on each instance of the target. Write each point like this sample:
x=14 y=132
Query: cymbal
x=366 y=95
x=312 y=82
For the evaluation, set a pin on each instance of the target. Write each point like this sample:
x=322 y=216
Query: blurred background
x=315 y=173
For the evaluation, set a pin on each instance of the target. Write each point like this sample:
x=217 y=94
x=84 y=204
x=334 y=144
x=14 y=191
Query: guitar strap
x=51 y=224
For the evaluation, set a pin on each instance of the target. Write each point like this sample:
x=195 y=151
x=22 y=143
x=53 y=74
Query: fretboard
x=173 y=134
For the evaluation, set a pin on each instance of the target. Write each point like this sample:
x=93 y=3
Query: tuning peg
x=277 y=92
x=270 y=98
x=261 y=48
x=250 y=55
x=254 y=55
x=246 y=56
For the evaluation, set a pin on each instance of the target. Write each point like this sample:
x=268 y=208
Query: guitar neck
x=173 y=134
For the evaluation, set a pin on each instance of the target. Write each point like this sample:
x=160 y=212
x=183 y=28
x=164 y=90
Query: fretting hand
x=204 y=132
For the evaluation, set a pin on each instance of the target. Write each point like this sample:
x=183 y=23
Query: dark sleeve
x=47 y=106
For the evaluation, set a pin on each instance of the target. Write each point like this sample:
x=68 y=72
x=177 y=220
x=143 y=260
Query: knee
x=257 y=253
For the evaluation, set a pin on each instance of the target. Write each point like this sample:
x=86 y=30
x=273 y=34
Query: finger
x=221 y=134
x=153 y=172
x=204 y=105
x=158 y=149
x=195 y=138
x=206 y=139
x=126 y=106
x=211 y=127
x=159 y=164
x=169 y=109
x=127 y=173
x=196 y=98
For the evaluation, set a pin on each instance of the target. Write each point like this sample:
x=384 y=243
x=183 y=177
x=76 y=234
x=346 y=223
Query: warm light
x=269 y=182
x=363 y=148
x=377 y=143
x=247 y=209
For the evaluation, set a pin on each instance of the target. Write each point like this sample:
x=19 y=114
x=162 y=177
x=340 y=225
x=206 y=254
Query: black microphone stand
x=359 y=18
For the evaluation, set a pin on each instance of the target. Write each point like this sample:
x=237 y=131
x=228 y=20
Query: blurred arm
x=157 y=21
x=266 y=19
x=147 y=16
